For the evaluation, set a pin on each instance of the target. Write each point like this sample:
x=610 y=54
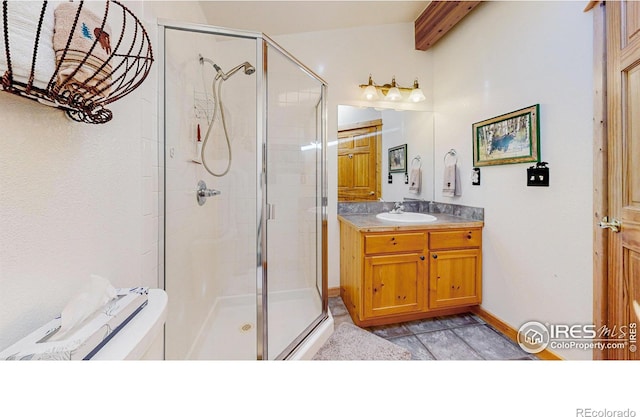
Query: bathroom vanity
x=393 y=272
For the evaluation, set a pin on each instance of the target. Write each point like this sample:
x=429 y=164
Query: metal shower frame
x=263 y=42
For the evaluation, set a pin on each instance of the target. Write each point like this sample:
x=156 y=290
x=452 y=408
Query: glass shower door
x=210 y=249
x=294 y=202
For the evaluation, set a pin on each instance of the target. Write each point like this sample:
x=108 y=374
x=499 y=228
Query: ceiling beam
x=438 y=18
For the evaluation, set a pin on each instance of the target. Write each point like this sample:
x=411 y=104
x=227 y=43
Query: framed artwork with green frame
x=511 y=138
x=398 y=159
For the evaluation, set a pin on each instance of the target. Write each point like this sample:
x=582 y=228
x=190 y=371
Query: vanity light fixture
x=370 y=90
x=392 y=91
x=416 y=95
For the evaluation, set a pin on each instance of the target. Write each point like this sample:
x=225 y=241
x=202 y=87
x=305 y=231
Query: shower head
x=248 y=70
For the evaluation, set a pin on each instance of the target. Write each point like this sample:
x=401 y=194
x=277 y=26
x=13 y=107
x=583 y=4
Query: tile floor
x=459 y=337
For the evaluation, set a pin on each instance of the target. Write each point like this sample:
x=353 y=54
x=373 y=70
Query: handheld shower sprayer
x=218 y=108
x=248 y=70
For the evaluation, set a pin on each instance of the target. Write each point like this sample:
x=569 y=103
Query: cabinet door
x=455 y=278
x=394 y=284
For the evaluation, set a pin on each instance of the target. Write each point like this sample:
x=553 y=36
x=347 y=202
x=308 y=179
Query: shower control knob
x=202 y=192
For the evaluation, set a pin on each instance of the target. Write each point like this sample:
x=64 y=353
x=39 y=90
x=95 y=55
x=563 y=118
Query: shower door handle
x=271 y=211
x=202 y=192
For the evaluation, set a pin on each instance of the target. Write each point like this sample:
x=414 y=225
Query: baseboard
x=510 y=332
x=334 y=292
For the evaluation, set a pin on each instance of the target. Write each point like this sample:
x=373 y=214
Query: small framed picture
x=398 y=158
x=512 y=138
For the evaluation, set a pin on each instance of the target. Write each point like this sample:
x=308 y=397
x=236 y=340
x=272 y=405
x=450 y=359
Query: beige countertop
x=369 y=223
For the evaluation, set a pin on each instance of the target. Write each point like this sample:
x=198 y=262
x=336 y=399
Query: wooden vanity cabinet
x=401 y=275
x=455 y=268
x=394 y=270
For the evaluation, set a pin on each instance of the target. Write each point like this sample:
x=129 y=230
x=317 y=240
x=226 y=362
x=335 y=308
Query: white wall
x=537 y=241
x=345 y=58
x=78 y=199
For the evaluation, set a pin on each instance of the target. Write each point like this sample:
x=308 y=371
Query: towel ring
x=452 y=152
x=417 y=158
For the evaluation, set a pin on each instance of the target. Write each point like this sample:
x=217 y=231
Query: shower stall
x=243 y=233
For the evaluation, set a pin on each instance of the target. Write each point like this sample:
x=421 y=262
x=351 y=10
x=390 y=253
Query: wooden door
x=455 y=278
x=394 y=284
x=359 y=162
x=623 y=135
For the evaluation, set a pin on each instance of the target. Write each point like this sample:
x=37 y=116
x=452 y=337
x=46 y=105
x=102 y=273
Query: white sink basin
x=406 y=217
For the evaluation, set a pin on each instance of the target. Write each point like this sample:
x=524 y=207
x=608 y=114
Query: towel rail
x=451 y=152
x=86 y=78
x=417 y=158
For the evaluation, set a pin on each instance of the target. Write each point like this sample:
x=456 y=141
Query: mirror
x=365 y=138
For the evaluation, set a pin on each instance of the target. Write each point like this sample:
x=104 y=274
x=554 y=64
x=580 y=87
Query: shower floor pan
x=229 y=333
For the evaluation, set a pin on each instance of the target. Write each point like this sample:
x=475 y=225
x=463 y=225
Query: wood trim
x=591 y=5
x=333 y=292
x=600 y=177
x=438 y=18
x=361 y=125
x=509 y=331
x=379 y=163
x=615 y=285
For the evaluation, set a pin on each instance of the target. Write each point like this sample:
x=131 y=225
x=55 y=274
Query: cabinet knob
x=434 y=256
x=422 y=258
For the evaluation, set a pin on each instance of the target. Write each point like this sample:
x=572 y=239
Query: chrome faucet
x=398 y=208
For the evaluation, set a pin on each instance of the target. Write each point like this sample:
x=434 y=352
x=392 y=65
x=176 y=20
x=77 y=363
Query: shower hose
x=217 y=108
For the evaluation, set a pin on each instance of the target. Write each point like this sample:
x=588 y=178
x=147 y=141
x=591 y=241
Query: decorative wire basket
x=89 y=70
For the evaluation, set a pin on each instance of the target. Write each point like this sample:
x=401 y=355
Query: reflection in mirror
x=365 y=136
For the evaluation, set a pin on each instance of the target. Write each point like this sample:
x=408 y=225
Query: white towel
x=23 y=17
x=451 y=180
x=91 y=77
x=415 y=178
